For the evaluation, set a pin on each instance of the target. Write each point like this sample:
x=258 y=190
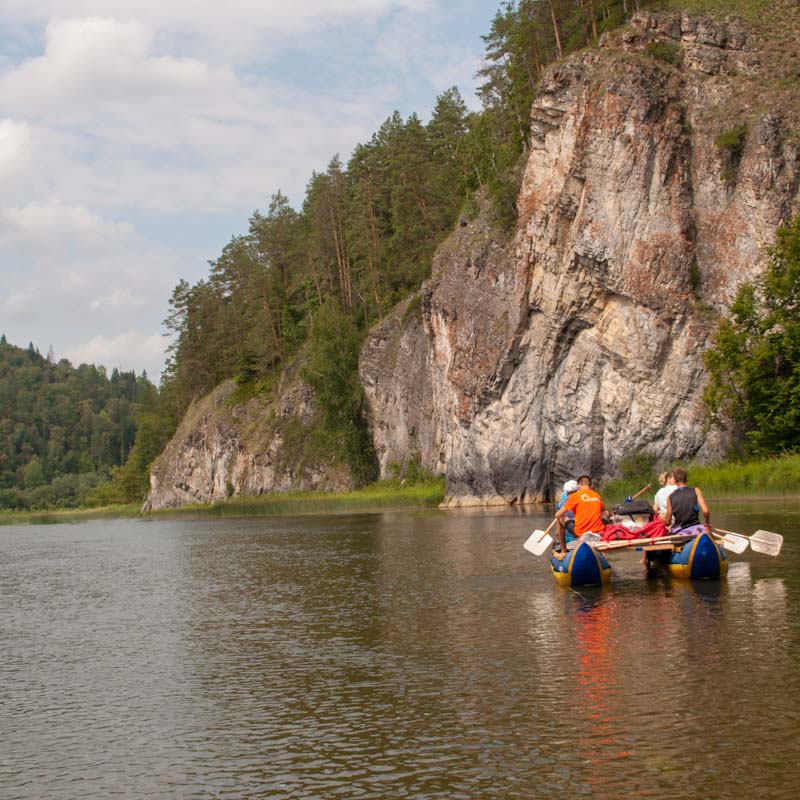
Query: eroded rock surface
x=526 y=362
x=224 y=449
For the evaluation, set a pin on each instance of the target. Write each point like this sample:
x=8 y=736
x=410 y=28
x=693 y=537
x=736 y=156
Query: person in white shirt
x=667 y=481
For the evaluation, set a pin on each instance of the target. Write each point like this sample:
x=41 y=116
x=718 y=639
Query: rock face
x=223 y=449
x=579 y=341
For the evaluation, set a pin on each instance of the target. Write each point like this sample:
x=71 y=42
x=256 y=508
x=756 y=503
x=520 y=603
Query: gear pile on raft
x=669 y=533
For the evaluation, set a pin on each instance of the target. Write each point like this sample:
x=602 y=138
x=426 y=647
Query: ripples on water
x=384 y=656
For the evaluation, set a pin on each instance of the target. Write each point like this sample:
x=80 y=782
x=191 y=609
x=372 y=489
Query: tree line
x=367 y=229
x=753 y=391
x=64 y=430
x=301 y=286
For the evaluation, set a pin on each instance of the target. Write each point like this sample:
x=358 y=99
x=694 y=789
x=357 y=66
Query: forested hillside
x=64 y=430
x=296 y=294
x=314 y=279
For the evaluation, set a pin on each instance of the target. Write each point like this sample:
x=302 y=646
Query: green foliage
x=33 y=475
x=331 y=369
x=695 y=278
x=410 y=471
x=379 y=495
x=754 y=365
x=753 y=477
x=732 y=140
x=63 y=429
x=668 y=52
x=638 y=468
x=730 y=144
x=367 y=230
x=13 y=499
x=413 y=311
x=248 y=371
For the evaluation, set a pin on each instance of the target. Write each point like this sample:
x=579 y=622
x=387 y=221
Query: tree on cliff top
x=754 y=366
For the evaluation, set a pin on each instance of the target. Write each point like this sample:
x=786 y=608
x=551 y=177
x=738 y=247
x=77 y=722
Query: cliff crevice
x=580 y=340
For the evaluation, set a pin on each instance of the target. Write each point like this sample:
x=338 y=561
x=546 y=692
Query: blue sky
x=137 y=136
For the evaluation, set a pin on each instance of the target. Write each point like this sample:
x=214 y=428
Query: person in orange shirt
x=588 y=508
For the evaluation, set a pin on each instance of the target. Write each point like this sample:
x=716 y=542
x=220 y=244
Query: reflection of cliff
x=522 y=364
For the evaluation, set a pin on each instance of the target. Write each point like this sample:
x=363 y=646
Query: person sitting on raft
x=667 y=481
x=569 y=523
x=588 y=508
x=684 y=505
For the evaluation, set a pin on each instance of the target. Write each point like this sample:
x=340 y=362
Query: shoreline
x=383 y=496
x=776 y=479
x=420 y=497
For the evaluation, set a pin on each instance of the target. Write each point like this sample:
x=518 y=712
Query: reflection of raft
x=699 y=557
x=583 y=566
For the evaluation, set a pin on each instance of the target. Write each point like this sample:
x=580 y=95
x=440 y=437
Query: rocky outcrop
x=226 y=447
x=580 y=340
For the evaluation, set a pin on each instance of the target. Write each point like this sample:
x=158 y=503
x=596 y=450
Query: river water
x=388 y=655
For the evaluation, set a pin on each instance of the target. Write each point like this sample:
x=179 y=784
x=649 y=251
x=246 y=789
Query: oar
x=761 y=541
x=732 y=541
x=677 y=538
x=539 y=541
x=640 y=492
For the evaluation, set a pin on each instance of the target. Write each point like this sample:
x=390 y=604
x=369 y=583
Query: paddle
x=732 y=541
x=677 y=538
x=761 y=541
x=539 y=541
x=640 y=492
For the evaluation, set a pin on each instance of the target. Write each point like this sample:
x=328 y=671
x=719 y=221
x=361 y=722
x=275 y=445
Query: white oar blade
x=538 y=542
x=735 y=543
x=766 y=542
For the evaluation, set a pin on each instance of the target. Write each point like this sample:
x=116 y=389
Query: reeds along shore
x=385 y=494
x=779 y=475
x=775 y=476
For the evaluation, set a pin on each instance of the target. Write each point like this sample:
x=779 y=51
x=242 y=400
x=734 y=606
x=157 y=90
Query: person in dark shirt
x=685 y=504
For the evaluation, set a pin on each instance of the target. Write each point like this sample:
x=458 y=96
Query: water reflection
x=383 y=656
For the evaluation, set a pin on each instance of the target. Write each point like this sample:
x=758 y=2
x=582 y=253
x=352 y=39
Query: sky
x=138 y=136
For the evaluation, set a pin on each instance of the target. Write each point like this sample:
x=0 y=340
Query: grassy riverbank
x=67 y=515
x=763 y=478
x=382 y=495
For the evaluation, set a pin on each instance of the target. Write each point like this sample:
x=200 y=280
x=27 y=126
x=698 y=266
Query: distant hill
x=63 y=428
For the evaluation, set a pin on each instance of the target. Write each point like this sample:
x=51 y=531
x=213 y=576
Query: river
x=388 y=655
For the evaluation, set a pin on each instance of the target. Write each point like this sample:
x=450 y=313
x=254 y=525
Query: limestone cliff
x=524 y=362
x=225 y=447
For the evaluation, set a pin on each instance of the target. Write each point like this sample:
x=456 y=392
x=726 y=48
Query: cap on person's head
x=571 y=486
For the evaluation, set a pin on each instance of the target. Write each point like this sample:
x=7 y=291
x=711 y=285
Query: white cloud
x=131 y=350
x=101 y=64
x=15 y=146
x=139 y=135
x=114 y=121
x=56 y=228
x=249 y=18
x=118 y=300
x=18 y=305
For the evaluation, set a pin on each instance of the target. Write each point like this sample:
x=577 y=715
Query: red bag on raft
x=617 y=533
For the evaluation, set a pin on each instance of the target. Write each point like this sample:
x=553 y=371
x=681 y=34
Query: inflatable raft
x=583 y=566
x=698 y=558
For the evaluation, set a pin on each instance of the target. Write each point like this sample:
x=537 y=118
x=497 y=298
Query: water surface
x=388 y=655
